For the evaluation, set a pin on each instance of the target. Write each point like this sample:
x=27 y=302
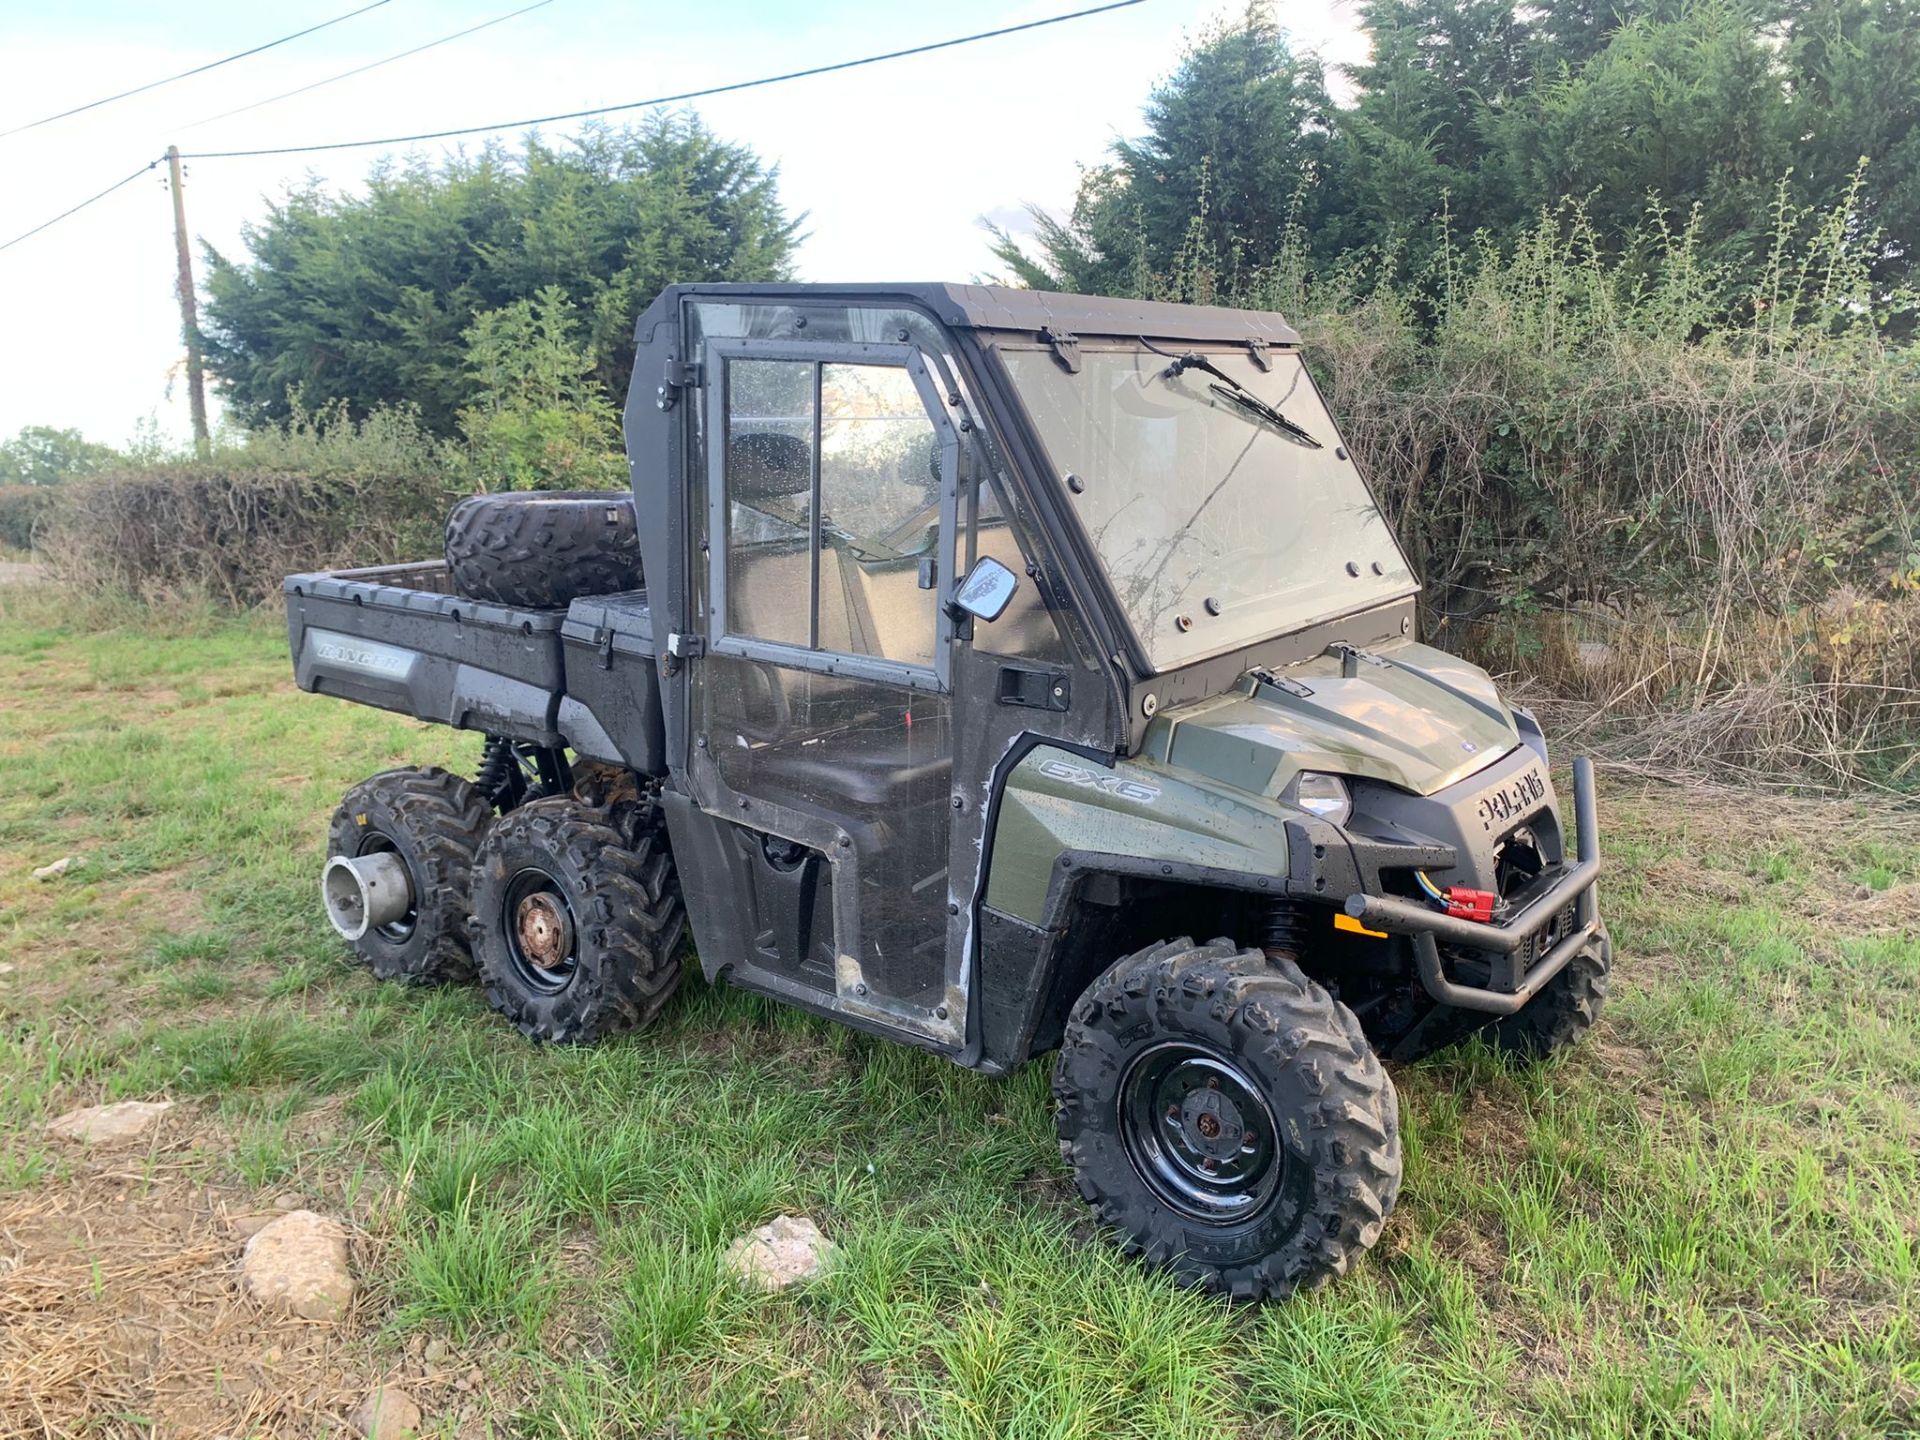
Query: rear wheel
x=433 y=821
x=1227 y=1116
x=577 y=919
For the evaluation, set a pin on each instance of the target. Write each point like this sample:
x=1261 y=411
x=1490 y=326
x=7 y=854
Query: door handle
x=1035 y=689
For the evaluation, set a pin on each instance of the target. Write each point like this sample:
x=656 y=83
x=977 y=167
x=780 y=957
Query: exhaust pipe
x=365 y=892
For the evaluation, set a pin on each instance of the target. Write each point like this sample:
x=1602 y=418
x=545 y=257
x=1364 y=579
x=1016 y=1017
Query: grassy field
x=1705 y=1222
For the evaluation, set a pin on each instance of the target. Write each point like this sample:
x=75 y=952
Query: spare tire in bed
x=542 y=549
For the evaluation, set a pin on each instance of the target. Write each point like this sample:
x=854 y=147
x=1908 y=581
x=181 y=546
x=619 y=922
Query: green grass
x=1703 y=1223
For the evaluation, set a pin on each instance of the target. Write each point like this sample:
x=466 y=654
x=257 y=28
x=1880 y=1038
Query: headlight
x=1322 y=795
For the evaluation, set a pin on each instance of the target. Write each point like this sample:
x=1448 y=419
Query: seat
x=872 y=777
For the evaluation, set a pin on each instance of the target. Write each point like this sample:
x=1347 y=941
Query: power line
x=197 y=70
x=669 y=99
x=371 y=65
x=602 y=110
x=44 y=224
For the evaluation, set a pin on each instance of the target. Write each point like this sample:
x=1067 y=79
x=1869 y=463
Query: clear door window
x=852 y=445
x=879 y=513
x=769 y=460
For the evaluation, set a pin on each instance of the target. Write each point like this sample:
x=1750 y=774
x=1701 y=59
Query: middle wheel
x=577 y=919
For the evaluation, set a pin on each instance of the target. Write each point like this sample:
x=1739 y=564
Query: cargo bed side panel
x=395 y=638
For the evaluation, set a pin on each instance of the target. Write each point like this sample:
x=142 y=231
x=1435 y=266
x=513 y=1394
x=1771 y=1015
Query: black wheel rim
x=1199 y=1133
x=374 y=842
x=541 y=937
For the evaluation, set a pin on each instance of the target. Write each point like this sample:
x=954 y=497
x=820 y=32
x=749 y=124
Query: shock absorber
x=1284 y=932
x=499 y=768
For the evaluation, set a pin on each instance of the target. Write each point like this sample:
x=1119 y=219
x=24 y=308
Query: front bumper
x=1519 y=969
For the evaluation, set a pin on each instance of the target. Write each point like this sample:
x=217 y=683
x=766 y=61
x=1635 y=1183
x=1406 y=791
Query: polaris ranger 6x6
x=999 y=672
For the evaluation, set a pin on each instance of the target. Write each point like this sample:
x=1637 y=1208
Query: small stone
x=437 y=1352
x=388 y=1413
x=59 y=867
x=475 y=1378
x=298 y=1263
x=106 y=1124
x=6 y=969
x=289 y=1201
x=778 y=1254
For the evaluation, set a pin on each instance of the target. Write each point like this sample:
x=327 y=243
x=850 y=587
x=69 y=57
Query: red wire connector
x=1466 y=904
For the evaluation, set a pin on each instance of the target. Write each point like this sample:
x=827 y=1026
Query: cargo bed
x=396 y=637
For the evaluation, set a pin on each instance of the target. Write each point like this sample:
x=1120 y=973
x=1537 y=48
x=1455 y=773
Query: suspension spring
x=499 y=769
x=1284 y=931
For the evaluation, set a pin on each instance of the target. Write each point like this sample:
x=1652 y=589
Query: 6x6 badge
x=1118 y=785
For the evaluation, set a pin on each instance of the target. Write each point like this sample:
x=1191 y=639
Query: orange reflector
x=1344 y=921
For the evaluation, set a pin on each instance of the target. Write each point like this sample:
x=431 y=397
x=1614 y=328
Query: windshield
x=1218 y=524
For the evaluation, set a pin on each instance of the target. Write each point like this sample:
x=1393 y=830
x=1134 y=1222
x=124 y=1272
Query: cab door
x=822 y=725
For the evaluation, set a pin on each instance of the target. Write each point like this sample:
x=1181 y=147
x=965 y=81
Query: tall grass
x=1637 y=484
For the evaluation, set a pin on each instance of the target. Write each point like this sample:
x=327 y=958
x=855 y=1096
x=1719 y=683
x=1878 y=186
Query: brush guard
x=1519 y=971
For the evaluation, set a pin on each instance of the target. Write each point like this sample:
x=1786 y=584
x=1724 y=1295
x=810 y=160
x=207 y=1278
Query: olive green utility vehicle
x=998 y=672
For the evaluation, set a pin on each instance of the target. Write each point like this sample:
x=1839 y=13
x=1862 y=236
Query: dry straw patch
x=121 y=1312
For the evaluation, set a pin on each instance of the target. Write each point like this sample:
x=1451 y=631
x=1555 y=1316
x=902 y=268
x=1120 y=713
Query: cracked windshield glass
x=1218 y=525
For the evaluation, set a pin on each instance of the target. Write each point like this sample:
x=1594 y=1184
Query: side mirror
x=987 y=590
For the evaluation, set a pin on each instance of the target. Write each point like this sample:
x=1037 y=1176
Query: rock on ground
x=58 y=867
x=778 y=1254
x=106 y=1124
x=388 y=1413
x=298 y=1263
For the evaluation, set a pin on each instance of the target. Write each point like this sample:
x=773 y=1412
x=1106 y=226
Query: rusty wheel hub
x=545 y=930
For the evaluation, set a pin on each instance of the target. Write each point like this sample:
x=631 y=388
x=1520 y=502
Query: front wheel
x=1563 y=1012
x=1227 y=1116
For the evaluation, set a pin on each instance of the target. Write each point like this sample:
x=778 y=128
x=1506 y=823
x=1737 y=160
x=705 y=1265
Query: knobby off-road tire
x=1561 y=1014
x=577 y=919
x=434 y=821
x=543 y=549
x=1307 y=1092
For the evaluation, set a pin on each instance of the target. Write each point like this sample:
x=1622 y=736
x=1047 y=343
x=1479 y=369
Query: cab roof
x=1002 y=307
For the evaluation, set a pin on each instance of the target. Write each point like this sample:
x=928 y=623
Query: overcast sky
x=896 y=164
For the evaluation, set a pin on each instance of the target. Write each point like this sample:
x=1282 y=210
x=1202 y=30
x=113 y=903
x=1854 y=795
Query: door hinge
x=1066 y=347
x=1257 y=350
x=606 y=648
x=678 y=650
x=680 y=375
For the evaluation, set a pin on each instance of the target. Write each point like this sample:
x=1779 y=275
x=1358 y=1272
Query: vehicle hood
x=1406 y=714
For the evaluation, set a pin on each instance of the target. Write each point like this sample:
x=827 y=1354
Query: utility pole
x=189 y=311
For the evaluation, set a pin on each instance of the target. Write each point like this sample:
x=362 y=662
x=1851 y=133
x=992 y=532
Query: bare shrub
x=321 y=490
x=191 y=530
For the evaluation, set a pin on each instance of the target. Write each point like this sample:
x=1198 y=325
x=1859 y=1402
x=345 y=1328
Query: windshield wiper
x=1232 y=390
